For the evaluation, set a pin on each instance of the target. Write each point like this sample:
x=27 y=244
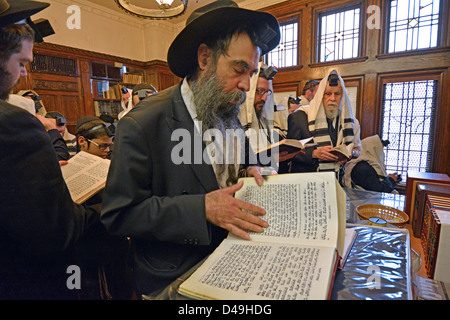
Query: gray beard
x=215 y=111
x=331 y=114
x=213 y=105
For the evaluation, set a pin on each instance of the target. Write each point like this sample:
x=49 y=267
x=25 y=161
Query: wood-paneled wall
x=372 y=69
x=71 y=94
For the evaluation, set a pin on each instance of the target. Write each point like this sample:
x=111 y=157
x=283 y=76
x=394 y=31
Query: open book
x=344 y=152
x=289 y=145
x=294 y=258
x=85 y=175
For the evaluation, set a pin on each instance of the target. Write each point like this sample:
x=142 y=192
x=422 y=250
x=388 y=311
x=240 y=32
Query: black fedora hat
x=18 y=10
x=218 y=15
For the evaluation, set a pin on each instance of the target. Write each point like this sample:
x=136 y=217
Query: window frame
x=334 y=8
x=442 y=41
x=288 y=19
x=439 y=120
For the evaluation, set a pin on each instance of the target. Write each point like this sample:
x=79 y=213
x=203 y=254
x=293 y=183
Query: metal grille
x=339 y=35
x=408 y=123
x=52 y=64
x=286 y=54
x=413 y=24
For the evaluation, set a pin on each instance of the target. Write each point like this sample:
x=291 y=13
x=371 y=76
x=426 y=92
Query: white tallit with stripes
x=259 y=132
x=373 y=153
x=318 y=125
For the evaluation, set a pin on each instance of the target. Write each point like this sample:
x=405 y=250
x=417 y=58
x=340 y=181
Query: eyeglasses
x=101 y=146
x=263 y=92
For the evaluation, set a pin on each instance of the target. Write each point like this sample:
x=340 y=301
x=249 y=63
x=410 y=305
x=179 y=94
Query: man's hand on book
x=324 y=153
x=231 y=214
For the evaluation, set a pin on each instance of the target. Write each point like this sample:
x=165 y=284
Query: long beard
x=214 y=106
x=331 y=111
x=217 y=109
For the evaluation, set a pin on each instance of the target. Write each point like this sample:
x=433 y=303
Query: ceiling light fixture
x=155 y=10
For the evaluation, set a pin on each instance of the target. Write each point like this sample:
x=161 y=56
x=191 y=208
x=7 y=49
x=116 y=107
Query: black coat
x=39 y=222
x=298 y=129
x=159 y=204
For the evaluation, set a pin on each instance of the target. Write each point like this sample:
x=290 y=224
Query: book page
x=240 y=269
x=343 y=151
x=299 y=206
x=85 y=175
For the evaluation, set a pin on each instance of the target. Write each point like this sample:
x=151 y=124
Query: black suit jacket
x=159 y=203
x=298 y=129
x=39 y=222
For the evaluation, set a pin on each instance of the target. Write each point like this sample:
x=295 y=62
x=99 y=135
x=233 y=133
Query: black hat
x=143 y=86
x=18 y=10
x=220 y=14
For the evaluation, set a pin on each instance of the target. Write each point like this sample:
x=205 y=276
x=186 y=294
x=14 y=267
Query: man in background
x=142 y=91
x=308 y=92
x=257 y=112
x=61 y=125
x=330 y=121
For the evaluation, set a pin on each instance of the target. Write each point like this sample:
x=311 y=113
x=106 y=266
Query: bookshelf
x=107 y=82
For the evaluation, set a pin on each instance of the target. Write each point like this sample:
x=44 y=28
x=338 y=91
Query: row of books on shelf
x=131 y=78
x=436 y=237
x=428 y=205
x=106 y=90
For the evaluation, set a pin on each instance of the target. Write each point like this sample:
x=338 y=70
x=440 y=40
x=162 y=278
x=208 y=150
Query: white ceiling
x=192 y=5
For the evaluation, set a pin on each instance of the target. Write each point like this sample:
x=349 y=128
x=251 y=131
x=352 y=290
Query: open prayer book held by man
x=295 y=258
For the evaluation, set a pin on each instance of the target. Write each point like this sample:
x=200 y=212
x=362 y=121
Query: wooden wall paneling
x=159 y=75
x=85 y=74
x=60 y=93
x=368 y=108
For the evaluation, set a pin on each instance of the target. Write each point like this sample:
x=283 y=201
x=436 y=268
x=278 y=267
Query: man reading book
x=330 y=121
x=177 y=212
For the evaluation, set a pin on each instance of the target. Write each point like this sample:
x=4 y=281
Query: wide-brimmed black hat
x=211 y=18
x=18 y=10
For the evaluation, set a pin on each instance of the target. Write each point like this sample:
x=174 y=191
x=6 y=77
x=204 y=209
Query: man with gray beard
x=330 y=121
x=217 y=109
x=165 y=188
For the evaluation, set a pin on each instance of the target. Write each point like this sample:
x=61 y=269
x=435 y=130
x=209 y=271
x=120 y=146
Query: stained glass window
x=286 y=54
x=413 y=24
x=339 y=33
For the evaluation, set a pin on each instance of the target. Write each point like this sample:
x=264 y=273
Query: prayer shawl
x=259 y=132
x=22 y=102
x=42 y=111
x=372 y=152
x=126 y=107
x=318 y=125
